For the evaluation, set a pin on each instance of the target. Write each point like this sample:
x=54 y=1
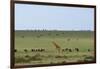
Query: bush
x=21 y=60
x=36 y=57
x=88 y=58
x=58 y=56
x=64 y=62
x=61 y=56
x=27 y=56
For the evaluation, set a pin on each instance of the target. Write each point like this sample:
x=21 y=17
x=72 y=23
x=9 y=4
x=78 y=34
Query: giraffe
x=57 y=46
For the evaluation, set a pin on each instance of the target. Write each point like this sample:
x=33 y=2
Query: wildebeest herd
x=32 y=50
x=43 y=50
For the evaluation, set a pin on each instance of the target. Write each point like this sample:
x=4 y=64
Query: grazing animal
x=25 y=50
x=38 y=50
x=15 y=50
x=27 y=56
x=70 y=50
x=32 y=50
x=77 y=49
x=63 y=50
x=57 y=46
x=42 y=50
x=66 y=49
x=88 y=50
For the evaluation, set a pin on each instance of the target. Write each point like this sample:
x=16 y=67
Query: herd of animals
x=58 y=48
x=43 y=50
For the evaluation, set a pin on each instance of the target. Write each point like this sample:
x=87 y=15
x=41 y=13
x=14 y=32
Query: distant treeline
x=55 y=30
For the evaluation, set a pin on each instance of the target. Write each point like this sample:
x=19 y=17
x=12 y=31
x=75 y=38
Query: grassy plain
x=83 y=40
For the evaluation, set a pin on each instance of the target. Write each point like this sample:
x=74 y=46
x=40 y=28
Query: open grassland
x=36 y=47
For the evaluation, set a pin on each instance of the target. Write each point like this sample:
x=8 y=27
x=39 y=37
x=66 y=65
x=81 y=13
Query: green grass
x=43 y=39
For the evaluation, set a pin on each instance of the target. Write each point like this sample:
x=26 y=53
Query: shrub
x=88 y=58
x=22 y=36
x=36 y=57
x=64 y=62
x=27 y=56
x=21 y=60
x=58 y=56
x=61 y=56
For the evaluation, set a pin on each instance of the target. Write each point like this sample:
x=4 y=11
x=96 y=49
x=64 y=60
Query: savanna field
x=53 y=47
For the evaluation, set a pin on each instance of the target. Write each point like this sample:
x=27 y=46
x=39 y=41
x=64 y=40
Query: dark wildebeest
x=25 y=50
x=66 y=49
x=70 y=50
x=88 y=50
x=38 y=50
x=27 y=56
x=63 y=50
x=32 y=50
x=42 y=50
x=15 y=50
x=77 y=49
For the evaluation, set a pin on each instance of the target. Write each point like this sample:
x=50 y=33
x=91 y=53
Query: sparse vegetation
x=36 y=47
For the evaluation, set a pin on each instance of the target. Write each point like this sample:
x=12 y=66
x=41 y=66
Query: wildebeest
x=88 y=50
x=27 y=56
x=15 y=50
x=66 y=49
x=63 y=50
x=32 y=50
x=70 y=50
x=25 y=50
x=37 y=50
x=42 y=50
x=76 y=49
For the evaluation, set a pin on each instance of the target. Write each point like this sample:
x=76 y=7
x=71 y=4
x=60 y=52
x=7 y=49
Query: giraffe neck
x=56 y=45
